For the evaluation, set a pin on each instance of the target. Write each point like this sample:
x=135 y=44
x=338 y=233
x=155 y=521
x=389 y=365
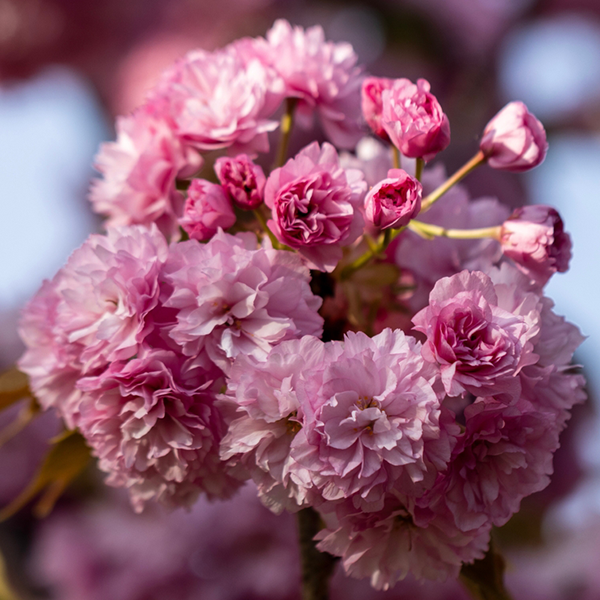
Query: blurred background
x=67 y=68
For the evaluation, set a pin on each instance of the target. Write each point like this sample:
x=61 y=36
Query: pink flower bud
x=243 y=180
x=207 y=208
x=535 y=239
x=394 y=201
x=514 y=140
x=372 y=88
x=414 y=120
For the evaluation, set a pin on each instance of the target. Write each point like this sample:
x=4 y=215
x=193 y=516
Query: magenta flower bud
x=514 y=140
x=414 y=119
x=535 y=239
x=372 y=88
x=207 y=208
x=243 y=180
x=394 y=201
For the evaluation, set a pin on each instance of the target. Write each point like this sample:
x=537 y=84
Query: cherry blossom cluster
x=345 y=327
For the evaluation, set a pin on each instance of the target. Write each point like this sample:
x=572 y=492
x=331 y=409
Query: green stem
x=396 y=161
x=263 y=223
x=477 y=160
x=484 y=578
x=317 y=567
x=428 y=231
x=287 y=122
x=419 y=168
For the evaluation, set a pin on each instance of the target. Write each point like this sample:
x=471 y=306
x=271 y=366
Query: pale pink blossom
x=504 y=454
x=152 y=423
x=95 y=311
x=477 y=335
x=535 y=239
x=394 y=201
x=372 y=107
x=315 y=205
x=374 y=420
x=207 y=208
x=264 y=407
x=514 y=140
x=322 y=75
x=243 y=180
x=414 y=119
x=386 y=546
x=233 y=297
x=221 y=99
x=139 y=171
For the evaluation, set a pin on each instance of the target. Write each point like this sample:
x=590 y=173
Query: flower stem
x=477 y=160
x=428 y=231
x=396 y=162
x=317 y=567
x=419 y=168
x=263 y=223
x=484 y=579
x=287 y=122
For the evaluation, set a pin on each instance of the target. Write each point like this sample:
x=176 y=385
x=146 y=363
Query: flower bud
x=372 y=88
x=394 y=201
x=243 y=180
x=535 y=239
x=207 y=208
x=414 y=120
x=514 y=140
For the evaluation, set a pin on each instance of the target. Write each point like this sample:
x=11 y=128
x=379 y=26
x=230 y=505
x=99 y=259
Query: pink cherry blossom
x=315 y=205
x=372 y=422
x=139 y=171
x=154 y=427
x=504 y=455
x=95 y=311
x=386 y=546
x=514 y=140
x=414 y=120
x=243 y=180
x=477 y=337
x=221 y=99
x=264 y=404
x=233 y=297
x=394 y=201
x=534 y=237
x=322 y=75
x=372 y=107
x=207 y=208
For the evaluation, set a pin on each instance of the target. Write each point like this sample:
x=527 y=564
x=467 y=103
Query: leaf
x=25 y=416
x=485 y=578
x=6 y=592
x=14 y=386
x=67 y=458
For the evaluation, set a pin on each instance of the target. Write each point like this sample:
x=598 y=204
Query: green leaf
x=6 y=592
x=485 y=578
x=67 y=458
x=14 y=386
x=27 y=413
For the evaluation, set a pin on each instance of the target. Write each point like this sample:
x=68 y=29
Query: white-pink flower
x=388 y=545
x=478 y=335
x=233 y=297
x=264 y=407
x=373 y=421
x=315 y=205
x=152 y=423
x=221 y=99
x=95 y=311
x=139 y=171
x=322 y=75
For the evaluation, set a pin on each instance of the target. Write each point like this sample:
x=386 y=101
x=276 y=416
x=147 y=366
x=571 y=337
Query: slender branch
x=317 y=567
x=420 y=163
x=429 y=231
x=396 y=161
x=263 y=223
x=477 y=160
x=287 y=122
